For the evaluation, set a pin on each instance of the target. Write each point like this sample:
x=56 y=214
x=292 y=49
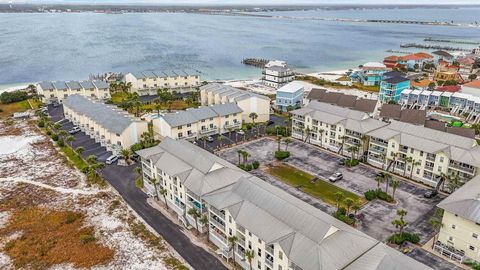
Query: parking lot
x=377 y=215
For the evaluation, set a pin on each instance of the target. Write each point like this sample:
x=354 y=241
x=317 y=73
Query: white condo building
x=283 y=232
x=111 y=127
x=199 y=122
x=148 y=82
x=276 y=74
x=215 y=93
x=57 y=91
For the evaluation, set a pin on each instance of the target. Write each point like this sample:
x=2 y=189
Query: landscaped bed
x=318 y=188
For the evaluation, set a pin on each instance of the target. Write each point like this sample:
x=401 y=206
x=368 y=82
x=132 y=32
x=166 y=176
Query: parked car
x=270 y=122
x=44 y=110
x=380 y=174
x=74 y=130
x=430 y=193
x=241 y=132
x=210 y=139
x=135 y=157
x=342 y=162
x=335 y=177
x=111 y=159
x=55 y=105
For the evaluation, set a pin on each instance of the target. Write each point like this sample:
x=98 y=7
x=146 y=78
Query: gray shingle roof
x=74 y=85
x=309 y=237
x=191 y=116
x=230 y=92
x=465 y=201
x=47 y=85
x=106 y=116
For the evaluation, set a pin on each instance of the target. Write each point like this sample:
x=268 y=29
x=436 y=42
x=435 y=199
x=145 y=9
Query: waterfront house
x=391 y=86
x=249 y=102
x=392 y=61
x=283 y=231
x=442 y=56
x=148 y=82
x=290 y=96
x=466 y=65
x=107 y=124
x=198 y=122
x=57 y=91
x=371 y=73
x=415 y=61
x=276 y=74
x=447 y=72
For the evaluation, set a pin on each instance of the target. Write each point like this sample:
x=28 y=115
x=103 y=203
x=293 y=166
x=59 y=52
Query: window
x=439 y=168
x=280 y=255
x=421 y=153
x=454 y=226
x=279 y=267
x=474 y=235
x=250 y=234
x=259 y=265
x=259 y=252
x=472 y=248
x=227 y=116
x=180 y=135
x=179 y=127
x=393 y=144
x=230 y=219
x=230 y=231
x=418 y=171
x=411 y=150
x=249 y=245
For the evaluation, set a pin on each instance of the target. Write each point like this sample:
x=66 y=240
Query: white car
x=111 y=159
x=74 y=130
x=210 y=139
x=335 y=177
x=241 y=132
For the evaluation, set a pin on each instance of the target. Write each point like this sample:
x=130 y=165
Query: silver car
x=335 y=177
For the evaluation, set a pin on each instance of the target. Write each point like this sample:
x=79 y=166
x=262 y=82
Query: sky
x=259 y=2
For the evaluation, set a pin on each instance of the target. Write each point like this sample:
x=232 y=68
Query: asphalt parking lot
x=377 y=215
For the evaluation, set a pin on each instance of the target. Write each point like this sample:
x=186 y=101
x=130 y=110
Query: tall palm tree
x=348 y=202
x=154 y=182
x=288 y=124
x=279 y=140
x=414 y=164
x=204 y=221
x=307 y=134
x=379 y=180
x=400 y=223
x=249 y=254
x=287 y=141
x=406 y=160
x=338 y=198
x=321 y=131
x=138 y=170
x=220 y=140
x=126 y=153
x=342 y=143
x=193 y=212
x=232 y=242
x=163 y=192
x=364 y=140
x=395 y=185
x=240 y=153
x=388 y=178
x=253 y=116
x=245 y=156
x=454 y=182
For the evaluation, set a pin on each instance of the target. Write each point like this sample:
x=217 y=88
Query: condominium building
x=249 y=102
x=370 y=74
x=333 y=127
x=57 y=91
x=199 y=122
x=290 y=96
x=459 y=236
x=422 y=153
x=391 y=86
x=276 y=74
x=148 y=82
x=283 y=232
x=108 y=125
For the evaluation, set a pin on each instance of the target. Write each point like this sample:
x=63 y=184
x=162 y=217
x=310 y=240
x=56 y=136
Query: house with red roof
x=465 y=66
x=391 y=61
x=472 y=88
x=416 y=60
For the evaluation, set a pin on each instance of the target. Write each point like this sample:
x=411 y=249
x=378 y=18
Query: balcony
x=208 y=130
x=269 y=250
x=220 y=236
x=458 y=166
x=450 y=251
x=269 y=263
x=233 y=125
x=431 y=157
x=217 y=212
x=241 y=229
x=378 y=142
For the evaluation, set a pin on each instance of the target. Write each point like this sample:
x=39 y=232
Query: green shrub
x=256 y=164
x=41 y=124
x=54 y=136
x=86 y=238
x=341 y=214
x=472 y=264
x=370 y=194
x=281 y=155
x=139 y=182
x=61 y=143
x=384 y=196
x=72 y=217
x=400 y=238
x=248 y=167
x=136 y=147
x=249 y=126
x=15 y=96
x=49 y=132
x=274 y=130
x=351 y=163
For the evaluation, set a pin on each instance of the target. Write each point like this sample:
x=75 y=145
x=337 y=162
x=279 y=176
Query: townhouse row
x=283 y=232
x=423 y=154
x=249 y=102
x=148 y=82
x=108 y=125
x=198 y=122
x=57 y=91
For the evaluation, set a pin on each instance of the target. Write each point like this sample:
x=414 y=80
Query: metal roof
x=106 y=116
x=191 y=116
x=465 y=201
x=232 y=93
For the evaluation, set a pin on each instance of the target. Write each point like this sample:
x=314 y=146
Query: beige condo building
x=57 y=91
x=108 y=125
x=215 y=93
x=283 y=232
x=148 y=82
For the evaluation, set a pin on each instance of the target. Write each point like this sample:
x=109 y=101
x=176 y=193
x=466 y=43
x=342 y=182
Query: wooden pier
x=452 y=41
x=256 y=62
x=433 y=47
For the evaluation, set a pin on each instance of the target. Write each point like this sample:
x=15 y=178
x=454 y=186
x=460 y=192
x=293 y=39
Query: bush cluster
x=281 y=155
x=282 y=131
x=473 y=264
x=351 y=162
x=400 y=238
x=341 y=214
x=249 y=166
x=41 y=124
x=15 y=96
x=378 y=194
x=54 y=136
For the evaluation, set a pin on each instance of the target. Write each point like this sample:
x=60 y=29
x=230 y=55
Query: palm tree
x=138 y=170
x=287 y=122
x=287 y=141
x=400 y=223
x=245 y=156
x=414 y=163
x=92 y=159
x=380 y=180
x=364 y=140
x=157 y=106
x=321 y=131
x=70 y=139
x=395 y=185
x=126 y=153
x=240 y=153
x=279 y=140
x=253 y=116
x=154 y=182
x=204 y=221
x=163 y=192
x=80 y=150
x=232 y=241
x=406 y=160
x=388 y=178
x=249 y=254
x=355 y=208
x=436 y=223
x=193 y=212
x=454 y=182
x=308 y=133
x=220 y=140
x=338 y=198
x=348 y=202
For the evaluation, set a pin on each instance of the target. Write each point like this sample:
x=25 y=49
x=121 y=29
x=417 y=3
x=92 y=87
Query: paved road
x=123 y=180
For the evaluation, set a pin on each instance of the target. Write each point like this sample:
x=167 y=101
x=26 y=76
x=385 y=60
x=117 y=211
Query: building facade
x=392 y=87
x=199 y=122
x=276 y=74
x=148 y=82
x=108 y=125
x=289 y=96
x=242 y=205
x=370 y=74
x=57 y=91
x=215 y=93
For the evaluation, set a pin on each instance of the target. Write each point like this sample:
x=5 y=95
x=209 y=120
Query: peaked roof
x=190 y=116
x=465 y=201
x=230 y=92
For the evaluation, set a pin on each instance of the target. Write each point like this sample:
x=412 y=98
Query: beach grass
x=319 y=188
x=7 y=110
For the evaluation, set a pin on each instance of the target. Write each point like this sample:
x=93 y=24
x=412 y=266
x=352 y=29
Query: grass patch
x=325 y=83
x=75 y=158
x=369 y=88
x=118 y=97
x=344 y=78
x=52 y=237
x=7 y=110
x=303 y=180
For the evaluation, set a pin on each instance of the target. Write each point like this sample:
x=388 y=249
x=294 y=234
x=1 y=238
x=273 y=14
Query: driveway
x=377 y=215
x=123 y=180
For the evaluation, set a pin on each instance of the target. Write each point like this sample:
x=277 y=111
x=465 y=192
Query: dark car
x=270 y=122
x=342 y=161
x=135 y=157
x=380 y=174
x=430 y=193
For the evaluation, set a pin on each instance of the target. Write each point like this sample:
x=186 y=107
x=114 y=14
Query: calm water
x=36 y=47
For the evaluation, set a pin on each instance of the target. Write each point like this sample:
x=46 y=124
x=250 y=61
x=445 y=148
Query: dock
x=256 y=62
x=452 y=41
x=433 y=47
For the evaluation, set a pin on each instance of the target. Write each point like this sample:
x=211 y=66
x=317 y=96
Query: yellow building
x=459 y=236
x=215 y=93
x=108 y=125
x=57 y=91
x=148 y=82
